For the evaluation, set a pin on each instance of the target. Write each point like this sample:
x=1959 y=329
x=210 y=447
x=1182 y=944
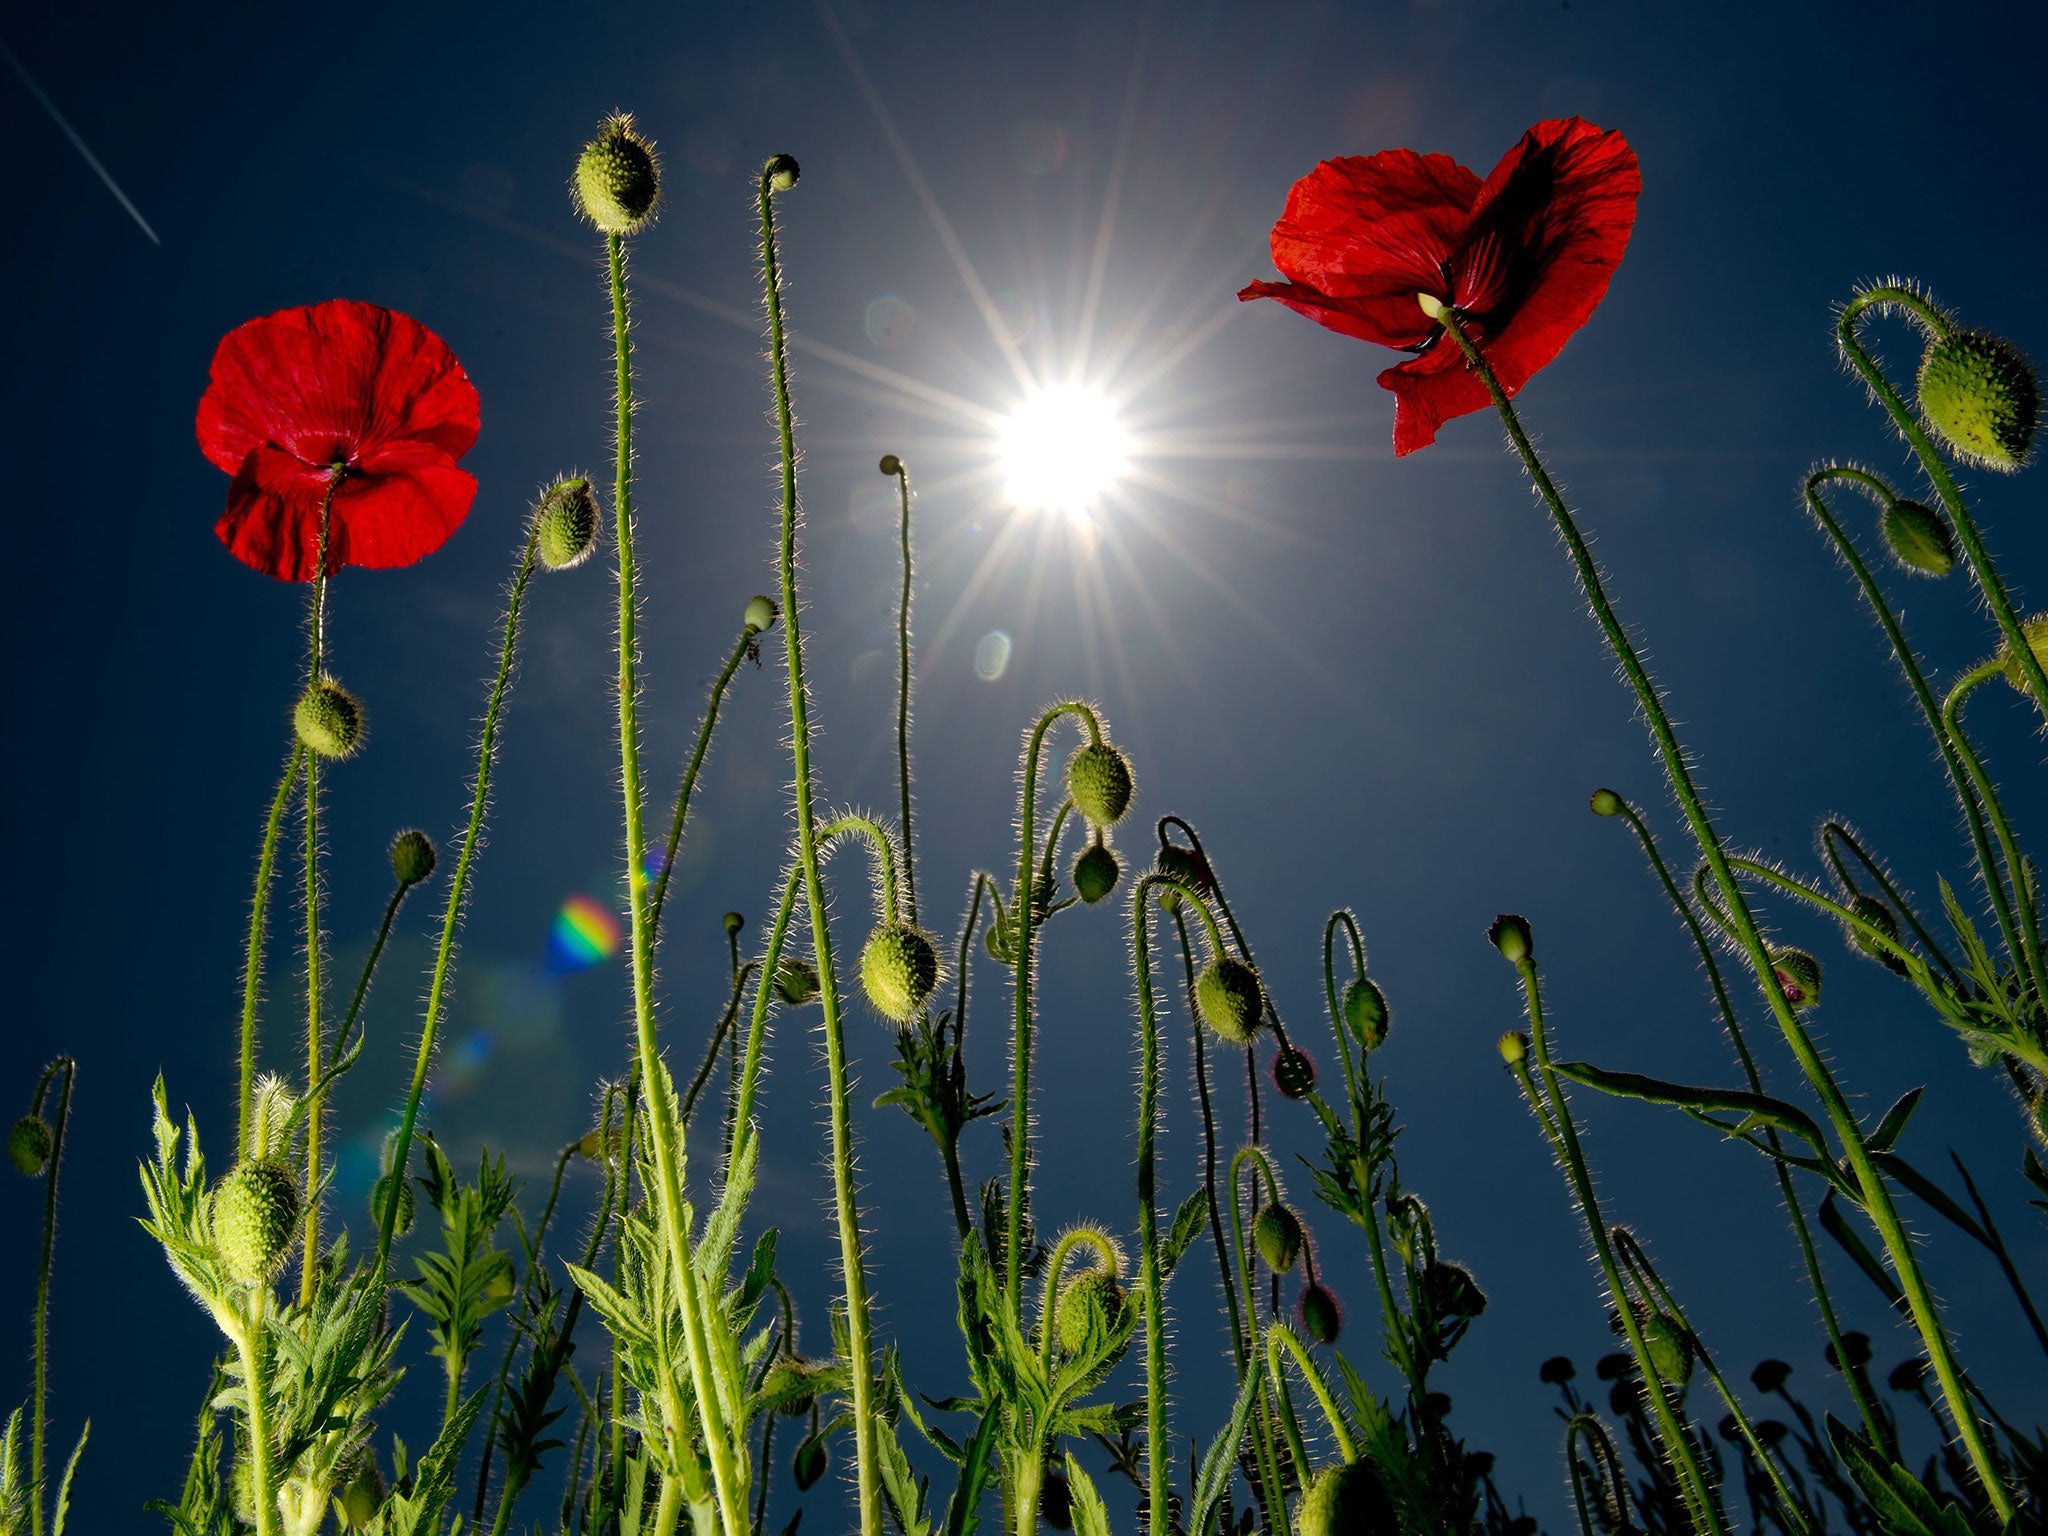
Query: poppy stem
x=316 y=1044
x=689 y=785
x=68 y=1069
x=902 y=478
x=1876 y=1197
x=252 y=961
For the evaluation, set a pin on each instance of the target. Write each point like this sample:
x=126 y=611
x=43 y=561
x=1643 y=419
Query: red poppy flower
x=346 y=394
x=1524 y=257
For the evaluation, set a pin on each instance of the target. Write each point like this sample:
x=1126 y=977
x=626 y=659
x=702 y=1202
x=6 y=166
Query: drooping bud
x=618 y=180
x=891 y=465
x=1099 y=783
x=1876 y=914
x=810 y=1463
x=1365 y=1010
x=781 y=172
x=1347 y=1500
x=254 y=1209
x=1798 y=976
x=791 y=1385
x=1231 y=999
x=1514 y=1047
x=796 y=980
x=1918 y=538
x=1556 y=1371
x=565 y=525
x=1510 y=935
x=733 y=923
x=760 y=614
x=898 y=969
x=412 y=857
x=1979 y=396
x=2036 y=632
x=1321 y=1318
x=29 y=1146
x=1188 y=867
x=1095 y=872
x=1452 y=1291
x=1294 y=1073
x=1090 y=1305
x=328 y=719
x=1606 y=803
x=1668 y=1343
x=408 y=1205
x=1277 y=1234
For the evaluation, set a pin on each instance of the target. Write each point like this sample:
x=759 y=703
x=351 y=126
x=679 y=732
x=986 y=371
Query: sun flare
x=1062 y=449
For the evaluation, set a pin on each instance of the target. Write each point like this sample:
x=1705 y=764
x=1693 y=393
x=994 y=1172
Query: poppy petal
x=1430 y=390
x=272 y=521
x=402 y=506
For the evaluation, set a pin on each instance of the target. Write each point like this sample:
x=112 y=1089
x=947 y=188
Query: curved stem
x=1270 y=1485
x=689 y=784
x=2029 y=951
x=757 y=1029
x=1048 y=1300
x=902 y=478
x=252 y=963
x=1833 y=831
x=1281 y=1335
x=68 y=1069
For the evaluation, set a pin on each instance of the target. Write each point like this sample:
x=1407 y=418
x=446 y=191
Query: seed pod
x=1277 y=1234
x=1099 y=783
x=796 y=981
x=1365 y=1010
x=1979 y=396
x=1346 y=1500
x=1798 y=976
x=328 y=719
x=254 y=1209
x=1510 y=935
x=618 y=180
x=760 y=614
x=412 y=857
x=1918 y=538
x=1294 y=1073
x=899 y=968
x=29 y=1145
x=565 y=525
x=1090 y=1305
x=1321 y=1318
x=1095 y=873
x=1231 y=999
x=781 y=172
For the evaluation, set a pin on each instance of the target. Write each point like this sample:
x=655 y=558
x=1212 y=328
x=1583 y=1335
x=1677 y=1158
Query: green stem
x=2029 y=951
x=1831 y=832
x=252 y=963
x=853 y=1276
x=903 y=698
x=316 y=1045
x=248 y=1343
x=1271 y=1486
x=757 y=1029
x=1277 y=1336
x=689 y=785
x=1877 y=1200
x=69 y=1069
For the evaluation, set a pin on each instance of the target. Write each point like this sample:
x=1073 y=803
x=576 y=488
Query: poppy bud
x=1294 y=1072
x=898 y=968
x=1090 y=1306
x=1769 y=1375
x=796 y=980
x=1186 y=866
x=1668 y=1344
x=254 y=1209
x=2036 y=631
x=1510 y=935
x=781 y=172
x=359 y=1489
x=1452 y=1291
x=760 y=614
x=1557 y=1370
x=733 y=923
x=1321 y=1318
x=1606 y=803
x=1798 y=976
x=1099 y=783
x=1918 y=538
x=791 y=1385
x=1277 y=1234
x=408 y=1206
x=1876 y=914
x=1056 y=1499
x=1095 y=873
x=1365 y=1010
x=996 y=939
x=412 y=857
x=618 y=180
x=29 y=1145
x=891 y=465
x=1231 y=999
x=810 y=1462
x=328 y=719
x=1347 y=1500
x=1979 y=396
x=565 y=525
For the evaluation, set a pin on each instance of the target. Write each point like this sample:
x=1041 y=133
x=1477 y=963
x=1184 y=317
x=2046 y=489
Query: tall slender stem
x=248 y=1338
x=689 y=785
x=252 y=962
x=902 y=478
x=68 y=1068
x=315 y=1035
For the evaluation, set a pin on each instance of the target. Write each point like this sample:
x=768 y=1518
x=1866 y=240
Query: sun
x=1062 y=449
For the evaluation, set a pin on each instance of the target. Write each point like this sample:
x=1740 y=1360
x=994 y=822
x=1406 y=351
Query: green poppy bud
x=1918 y=538
x=1979 y=396
x=733 y=922
x=891 y=465
x=1510 y=935
x=760 y=614
x=565 y=525
x=1365 y=1010
x=1668 y=1344
x=412 y=857
x=1277 y=1234
x=791 y=1385
x=996 y=939
x=1231 y=999
x=1606 y=803
x=1880 y=917
x=1798 y=976
x=1091 y=1304
x=781 y=172
x=408 y=1206
x=29 y=1146
x=1452 y=1291
x=1095 y=873
x=899 y=968
x=254 y=1210
x=328 y=719
x=1514 y=1047
x=796 y=981
x=2036 y=632
x=358 y=1490
x=1099 y=783
x=1321 y=1318
x=1294 y=1073
x=618 y=180
x=1346 y=1500
x=1186 y=866
x=810 y=1463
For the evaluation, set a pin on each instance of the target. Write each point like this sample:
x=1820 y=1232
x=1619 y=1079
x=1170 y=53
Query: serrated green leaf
x=1090 y=1515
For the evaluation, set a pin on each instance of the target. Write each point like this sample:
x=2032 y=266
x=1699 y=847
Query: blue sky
x=1368 y=683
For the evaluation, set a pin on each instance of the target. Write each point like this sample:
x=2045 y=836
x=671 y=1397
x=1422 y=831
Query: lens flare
x=1061 y=449
x=582 y=934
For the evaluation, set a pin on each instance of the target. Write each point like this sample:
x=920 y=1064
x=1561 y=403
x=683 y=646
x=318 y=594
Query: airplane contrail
x=77 y=143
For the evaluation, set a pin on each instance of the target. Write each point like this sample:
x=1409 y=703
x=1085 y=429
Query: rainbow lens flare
x=582 y=934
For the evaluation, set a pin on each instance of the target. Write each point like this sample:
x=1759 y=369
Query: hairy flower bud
x=1056 y=1499
x=791 y=1385
x=1095 y=873
x=1099 y=783
x=1798 y=976
x=328 y=719
x=1365 y=1010
x=1510 y=935
x=1277 y=1234
x=781 y=172
x=813 y=1458
x=565 y=524
x=899 y=968
x=891 y=465
x=1979 y=396
x=618 y=180
x=412 y=857
x=254 y=1210
x=1668 y=1344
x=359 y=1491
x=1188 y=867
x=408 y=1204
x=1452 y=1291
x=796 y=980
x=1321 y=1318
x=1346 y=1500
x=1514 y=1047
x=2036 y=632
x=1918 y=538
x=1090 y=1305
x=1876 y=914
x=1231 y=999
x=29 y=1145
x=733 y=922
x=1294 y=1073
x=760 y=614
x=1606 y=802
